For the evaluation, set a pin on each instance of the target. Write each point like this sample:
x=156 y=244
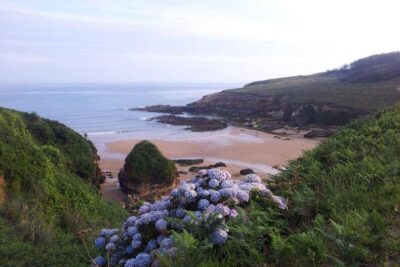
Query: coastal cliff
x=327 y=99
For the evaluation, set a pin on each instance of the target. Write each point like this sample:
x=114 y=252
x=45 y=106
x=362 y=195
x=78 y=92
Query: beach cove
x=238 y=148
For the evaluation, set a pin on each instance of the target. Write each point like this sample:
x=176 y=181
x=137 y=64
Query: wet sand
x=239 y=148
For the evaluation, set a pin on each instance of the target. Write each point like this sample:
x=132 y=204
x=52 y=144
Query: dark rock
x=216 y=165
x=319 y=133
x=188 y=162
x=246 y=171
x=196 y=124
x=163 y=109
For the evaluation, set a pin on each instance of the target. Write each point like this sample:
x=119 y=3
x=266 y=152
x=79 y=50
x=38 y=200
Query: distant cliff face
x=330 y=98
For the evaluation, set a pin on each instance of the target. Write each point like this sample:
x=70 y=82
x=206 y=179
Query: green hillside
x=48 y=201
x=366 y=84
x=343 y=207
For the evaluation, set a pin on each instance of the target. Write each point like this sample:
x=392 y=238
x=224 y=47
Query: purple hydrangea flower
x=203 y=204
x=100 y=242
x=282 y=203
x=227 y=184
x=160 y=238
x=222 y=209
x=100 y=261
x=187 y=219
x=216 y=174
x=161 y=225
x=233 y=213
x=110 y=246
x=219 y=237
x=242 y=196
x=175 y=192
x=213 y=183
x=266 y=192
x=252 y=178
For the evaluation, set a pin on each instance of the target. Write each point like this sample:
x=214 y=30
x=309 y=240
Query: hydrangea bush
x=205 y=202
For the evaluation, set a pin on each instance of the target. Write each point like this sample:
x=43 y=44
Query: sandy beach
x=237 y=147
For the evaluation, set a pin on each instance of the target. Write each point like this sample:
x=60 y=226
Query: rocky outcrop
x=188 y=162
x=212 y=166
x=196 y=124
x=246 y=171
x=162 y=109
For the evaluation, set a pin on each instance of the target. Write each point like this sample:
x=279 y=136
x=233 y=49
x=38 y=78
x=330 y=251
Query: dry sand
x=237 y=147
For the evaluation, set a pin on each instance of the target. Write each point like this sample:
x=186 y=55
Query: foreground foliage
x=343 y=208
x=49 y=200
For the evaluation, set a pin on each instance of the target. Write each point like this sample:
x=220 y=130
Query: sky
x=123 y=41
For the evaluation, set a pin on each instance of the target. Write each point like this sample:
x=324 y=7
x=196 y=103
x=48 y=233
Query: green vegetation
x=365 y=85
x=49 y=201
x=145 y=164
x=343 y=207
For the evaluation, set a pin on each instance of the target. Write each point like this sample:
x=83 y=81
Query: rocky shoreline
x=195 y=124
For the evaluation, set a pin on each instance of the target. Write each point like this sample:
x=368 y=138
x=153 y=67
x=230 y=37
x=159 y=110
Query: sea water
x=102 y=110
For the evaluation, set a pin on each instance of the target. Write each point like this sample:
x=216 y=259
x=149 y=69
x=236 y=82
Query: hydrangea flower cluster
x=210 y=194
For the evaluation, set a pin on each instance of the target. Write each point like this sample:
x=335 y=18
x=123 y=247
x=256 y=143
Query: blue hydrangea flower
x=132 y=230
x=100 y=242
x=203 y=204
x=151 y=245
x=143 y=259
x=161 y=204
x=131 y=220
x=160 y=238
x=180 y=213
x=110 y=246
x=136 y=244
x=214 y=196
x=129 y=249
x=145 y=208
x=202 y=192
x=252 y=178
x=187 y=219
x=227 y=184
x=167 y=242
x=190 y=195
x=114 y=238
x=213 y=183
x=175 y=192
x=242 y=195
x=219 y=237
x=100 y=261
x=183 y=187
x=137 y=237
x=228 y=192
x=161 y=225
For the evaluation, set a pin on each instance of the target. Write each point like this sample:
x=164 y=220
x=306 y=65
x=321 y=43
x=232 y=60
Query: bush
x=146 y=164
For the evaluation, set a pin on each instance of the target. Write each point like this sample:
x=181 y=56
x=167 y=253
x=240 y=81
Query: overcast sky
x=188 y=41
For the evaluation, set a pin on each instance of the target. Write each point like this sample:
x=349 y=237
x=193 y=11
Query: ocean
x=101 y=110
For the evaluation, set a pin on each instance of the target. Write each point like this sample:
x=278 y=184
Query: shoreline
x=239 y=148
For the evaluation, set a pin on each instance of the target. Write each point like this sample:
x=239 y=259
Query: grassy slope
x=47 y=202
x=343 y=207
x=366 y=85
